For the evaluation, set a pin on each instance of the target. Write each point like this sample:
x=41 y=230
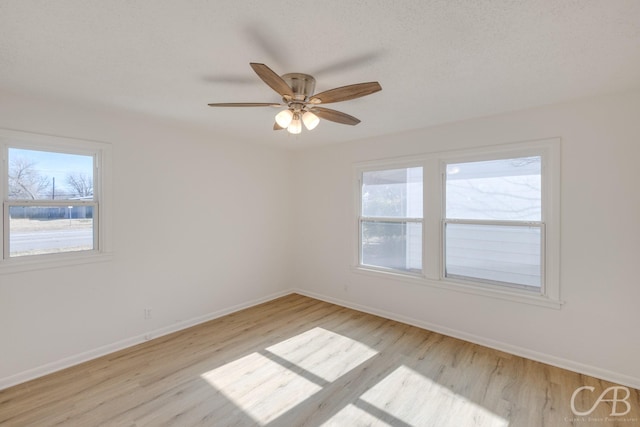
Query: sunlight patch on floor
x=268 y=383
x=262 y=388
x=323 y=353
x=417 y=400
x=353 y=416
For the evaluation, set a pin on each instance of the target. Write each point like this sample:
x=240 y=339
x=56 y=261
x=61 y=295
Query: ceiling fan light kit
x=310 y=120
x=295 y=127
x=283 y=118
x=299 y=102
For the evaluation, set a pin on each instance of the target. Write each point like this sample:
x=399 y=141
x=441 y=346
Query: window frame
x=101 y=154
x=398 y=220
x=433 y=245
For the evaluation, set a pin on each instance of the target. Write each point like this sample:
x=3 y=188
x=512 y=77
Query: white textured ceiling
x=437 y=61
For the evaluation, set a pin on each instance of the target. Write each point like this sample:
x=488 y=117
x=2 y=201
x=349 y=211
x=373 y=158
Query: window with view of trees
x=479 y=220
x=493 y=221
x=391 y=219
x=50 y=205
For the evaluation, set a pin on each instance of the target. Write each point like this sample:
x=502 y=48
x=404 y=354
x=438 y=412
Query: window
x=487 y=223
x=493 y=228
x=391 y=219
x=51 y=193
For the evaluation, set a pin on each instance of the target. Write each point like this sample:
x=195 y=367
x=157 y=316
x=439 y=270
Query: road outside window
x=50 y=202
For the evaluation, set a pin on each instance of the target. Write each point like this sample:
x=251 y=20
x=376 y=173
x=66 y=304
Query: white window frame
x=434 y=167
x=399 y=220
x=101 y=153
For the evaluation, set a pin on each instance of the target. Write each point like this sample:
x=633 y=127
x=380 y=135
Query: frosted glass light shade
x=283 y=118
x=296 y=125
x=310 y=120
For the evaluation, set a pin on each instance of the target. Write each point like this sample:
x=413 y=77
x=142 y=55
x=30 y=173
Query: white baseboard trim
x=67 y=362
x=486 y=342
x=559 y=362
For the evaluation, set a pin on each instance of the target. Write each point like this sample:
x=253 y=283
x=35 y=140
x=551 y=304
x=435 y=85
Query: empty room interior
x=303 y=213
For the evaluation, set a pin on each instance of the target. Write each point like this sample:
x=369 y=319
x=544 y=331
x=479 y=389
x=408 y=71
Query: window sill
x=391 y=274
x=519 y=296
x=46 y=262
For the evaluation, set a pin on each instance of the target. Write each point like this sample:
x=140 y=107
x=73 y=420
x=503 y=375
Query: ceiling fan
x=299 y=102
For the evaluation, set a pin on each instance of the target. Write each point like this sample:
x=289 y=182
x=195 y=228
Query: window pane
x=44 y=175
x=509 y=254
x=396 y=245
x=394 y=193
x=506 y=189
x=36 y=230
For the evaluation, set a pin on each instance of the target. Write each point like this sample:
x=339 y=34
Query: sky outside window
x=46 y=175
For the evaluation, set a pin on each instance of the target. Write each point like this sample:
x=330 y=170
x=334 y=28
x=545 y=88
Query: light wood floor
x=296 y=361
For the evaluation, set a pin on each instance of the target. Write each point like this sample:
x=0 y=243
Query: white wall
x=200 y=228
x=222 y=226
x=596 y=331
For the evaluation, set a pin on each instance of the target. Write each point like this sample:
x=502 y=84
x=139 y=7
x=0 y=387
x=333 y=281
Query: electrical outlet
x=147 y=313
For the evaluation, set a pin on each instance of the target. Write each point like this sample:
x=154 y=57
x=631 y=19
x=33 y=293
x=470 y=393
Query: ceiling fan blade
x=274 y=81
x=267 y=40
x=346 y=64
x=276 y=126
x=345 y=93
x=244 y=104
x=335 y=116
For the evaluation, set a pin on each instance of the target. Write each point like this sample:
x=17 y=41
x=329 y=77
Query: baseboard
x=559 y=362
x=128 y=342
x=497 y=345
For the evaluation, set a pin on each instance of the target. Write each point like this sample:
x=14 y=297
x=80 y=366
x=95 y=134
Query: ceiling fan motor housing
x=302 y=85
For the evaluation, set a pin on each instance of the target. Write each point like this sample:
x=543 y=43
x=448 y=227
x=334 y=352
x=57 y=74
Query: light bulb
x=296 y=124
x=310 y=120
x=283 y=118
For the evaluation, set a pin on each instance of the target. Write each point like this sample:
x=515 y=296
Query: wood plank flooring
x=297 y=361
